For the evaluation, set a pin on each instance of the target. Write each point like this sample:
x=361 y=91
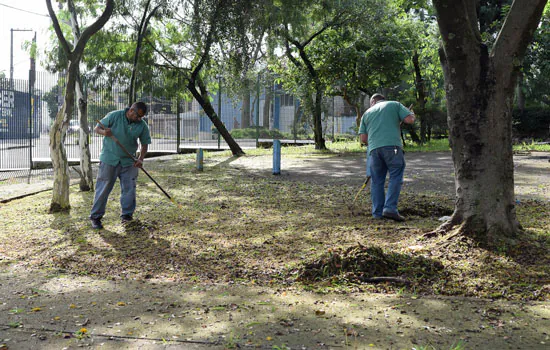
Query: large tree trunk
x=480 y=130
x=245 y=115
x=267 y=107
x=86 y=180
x=420 y=108
x=60 y=191
x=202 y=99
x=520 y=93
x=480 y=90
x=86 y=175
x=317 y=122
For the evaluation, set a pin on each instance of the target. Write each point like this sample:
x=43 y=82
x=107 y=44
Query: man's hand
x=103 y=131
x=138 y=163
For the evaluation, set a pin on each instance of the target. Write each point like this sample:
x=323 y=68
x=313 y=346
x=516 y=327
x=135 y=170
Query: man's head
x=375 y=98
x=137 y=111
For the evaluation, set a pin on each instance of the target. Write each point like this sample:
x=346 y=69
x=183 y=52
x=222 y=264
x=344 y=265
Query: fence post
x=178 y=121
x=30 y=116
x=200 y=160
x=333 y=100
x=276 y=157
x=219 y=106
x=258 y=111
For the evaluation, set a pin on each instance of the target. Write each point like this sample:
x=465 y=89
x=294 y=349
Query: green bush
x=533 y=122
x=250 y=133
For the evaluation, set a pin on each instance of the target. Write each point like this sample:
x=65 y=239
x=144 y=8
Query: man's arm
x=142 y=153
x=409 y=119
x=105 y=132
x=364 y=138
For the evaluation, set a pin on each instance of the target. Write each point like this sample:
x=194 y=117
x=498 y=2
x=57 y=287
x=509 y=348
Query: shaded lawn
x=241 y=227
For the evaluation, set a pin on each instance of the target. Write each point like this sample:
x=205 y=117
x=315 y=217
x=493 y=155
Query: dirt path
x=425 y=172
x=129 y=315
x=43 y=310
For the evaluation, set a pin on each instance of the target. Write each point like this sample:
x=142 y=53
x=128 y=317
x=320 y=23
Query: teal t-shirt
x=381 y=124
x=127 y=133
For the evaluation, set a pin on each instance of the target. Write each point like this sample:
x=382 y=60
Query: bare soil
x=64 y=286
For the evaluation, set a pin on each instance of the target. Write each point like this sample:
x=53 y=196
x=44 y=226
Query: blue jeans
x=383 y=160
x=106 y=178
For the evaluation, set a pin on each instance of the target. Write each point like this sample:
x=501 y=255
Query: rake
x=145 y=171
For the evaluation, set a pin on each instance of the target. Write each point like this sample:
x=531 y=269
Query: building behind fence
x=176 y=123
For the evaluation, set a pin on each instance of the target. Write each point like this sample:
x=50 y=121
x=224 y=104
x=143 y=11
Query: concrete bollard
x=200 y=161
x=276 y=157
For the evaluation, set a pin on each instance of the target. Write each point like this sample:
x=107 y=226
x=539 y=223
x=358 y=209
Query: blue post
x=276 y=157
x=199 y=159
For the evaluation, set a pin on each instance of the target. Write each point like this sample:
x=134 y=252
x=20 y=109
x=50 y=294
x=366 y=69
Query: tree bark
x=420 y=109
x=267 y=107
x=203 y=100
x=245 y=115
x=86 y=174
x=60 y=192
x=520 y=93
x=480 y=87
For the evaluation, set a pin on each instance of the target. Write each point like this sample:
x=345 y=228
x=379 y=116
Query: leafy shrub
x=250 y=133
x=533 y=122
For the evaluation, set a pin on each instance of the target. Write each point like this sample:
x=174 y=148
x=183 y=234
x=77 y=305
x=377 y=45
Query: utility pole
x=11 y=52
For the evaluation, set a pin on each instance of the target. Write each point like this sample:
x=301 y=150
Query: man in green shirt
x=380 y=129
x=127 y=126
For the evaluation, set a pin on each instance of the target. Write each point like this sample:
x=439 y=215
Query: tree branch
x=517 y=30
x=457 y=28
x=62 y=41
x=96 y=26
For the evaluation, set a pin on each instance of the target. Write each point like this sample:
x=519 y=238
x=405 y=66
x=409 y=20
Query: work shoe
x=126 y=218
x=96 y=224
x=394 y=216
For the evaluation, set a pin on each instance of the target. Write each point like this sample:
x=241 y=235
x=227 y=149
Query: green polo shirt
x=381 y=124
x=127 y=133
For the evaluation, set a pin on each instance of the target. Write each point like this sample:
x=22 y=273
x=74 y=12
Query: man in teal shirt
x=127 y=126
x=380 y=130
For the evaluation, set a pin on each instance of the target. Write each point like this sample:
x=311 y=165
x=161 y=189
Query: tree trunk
x=86 y=179
x=420 y=109
x=480 y=130
x=209 y=110
x=86 y=175
x=317 y=122
x=520 y=94
x=245 y=115
x=267 y=107
x=60 y=192
x=61 y=180
x=480 y=89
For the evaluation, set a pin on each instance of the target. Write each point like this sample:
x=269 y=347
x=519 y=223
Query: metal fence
x=177 y=123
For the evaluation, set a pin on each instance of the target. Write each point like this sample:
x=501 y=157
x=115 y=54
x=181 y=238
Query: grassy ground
x=238 y=226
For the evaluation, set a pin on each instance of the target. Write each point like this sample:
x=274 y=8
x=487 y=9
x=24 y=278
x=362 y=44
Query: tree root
x=440 y=231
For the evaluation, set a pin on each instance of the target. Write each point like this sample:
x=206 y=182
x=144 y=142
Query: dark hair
x=141 y=106
x=377 y=97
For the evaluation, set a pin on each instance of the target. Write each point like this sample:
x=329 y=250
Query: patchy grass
x=241 y=227
x=533 y=146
